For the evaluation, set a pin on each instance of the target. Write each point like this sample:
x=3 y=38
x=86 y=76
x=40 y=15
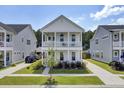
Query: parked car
x=31 y=58
x=117 y=65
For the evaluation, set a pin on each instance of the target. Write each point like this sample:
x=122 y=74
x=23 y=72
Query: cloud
x=77 y=19
x=119 y=21
x=107 y=11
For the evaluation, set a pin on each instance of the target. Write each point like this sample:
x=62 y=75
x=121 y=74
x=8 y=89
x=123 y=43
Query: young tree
x=50 y=63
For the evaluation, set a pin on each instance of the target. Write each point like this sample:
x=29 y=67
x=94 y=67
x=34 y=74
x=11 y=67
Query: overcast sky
x=89 y=17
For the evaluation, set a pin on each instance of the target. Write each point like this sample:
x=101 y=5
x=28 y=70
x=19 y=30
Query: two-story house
x=16 y=42
x=64 y=37
x=107 y=43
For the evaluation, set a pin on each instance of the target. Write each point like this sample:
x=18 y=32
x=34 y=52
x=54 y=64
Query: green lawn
x=61 y=80
x=28 y=71
x=122 y=77
x=105 y=66
x=70 y=71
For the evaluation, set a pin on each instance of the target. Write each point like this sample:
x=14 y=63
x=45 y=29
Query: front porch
x=5 y=58
x=64 y=55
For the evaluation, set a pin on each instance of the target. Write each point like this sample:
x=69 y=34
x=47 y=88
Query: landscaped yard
x=28 y=71
x=61 y=80
x=105 y=66
x=70 y=71
x=34 y=68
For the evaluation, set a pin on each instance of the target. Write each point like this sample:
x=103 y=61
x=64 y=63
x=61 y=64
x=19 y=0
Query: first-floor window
x=23 y=55
x=101 y=54
x=115 y=53
x=73 y=55
x=28 y=42
x=61 y=56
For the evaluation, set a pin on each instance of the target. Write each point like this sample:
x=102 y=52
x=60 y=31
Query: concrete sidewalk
x=107 y=77
x=11 y=70
x=46 y=71
x=52 y=75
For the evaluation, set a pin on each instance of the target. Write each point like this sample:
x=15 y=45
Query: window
x=23 y=55
x=49 y=38
x=22 y=39
x=101 y=54
x=7 y=56
x=96 y=41
x=116 y=36
x=61 y=56
x=28 y=42
x=61 y=37
x=97 y=54
x=73 y=37
x=8 y=37
x=1 y=36
x=73 y=56
x=116 y=53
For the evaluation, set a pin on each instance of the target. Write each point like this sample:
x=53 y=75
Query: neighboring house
x=64 y=37
x=16 y=42
x=107 y=43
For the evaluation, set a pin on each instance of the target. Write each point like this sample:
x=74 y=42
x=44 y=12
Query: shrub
x=36 y=65
x=13 y=65
x=86 y=55
x=28 y=67
x=83 y=65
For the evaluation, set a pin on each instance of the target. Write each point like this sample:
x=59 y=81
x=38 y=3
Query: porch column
x=120 y=39
x=81 y=55
x=68 y=55
x=68 y=39
x=5 y=58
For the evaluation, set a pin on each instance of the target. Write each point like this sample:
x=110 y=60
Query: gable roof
x=61 y=16
x=110 y=27
x=18 y=27
x=7 y=27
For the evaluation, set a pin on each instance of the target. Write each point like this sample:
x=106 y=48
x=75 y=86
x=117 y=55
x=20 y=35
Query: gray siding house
x=107 y=43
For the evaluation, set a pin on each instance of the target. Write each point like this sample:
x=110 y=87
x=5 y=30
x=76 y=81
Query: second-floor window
x=61 y=37
x=22 y=39
x=97 y=41
x=116 y=36
x=8 y=38
x=28 y=42
x=73 y=37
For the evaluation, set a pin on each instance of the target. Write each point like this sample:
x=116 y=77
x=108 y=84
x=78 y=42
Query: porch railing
x=61 y=44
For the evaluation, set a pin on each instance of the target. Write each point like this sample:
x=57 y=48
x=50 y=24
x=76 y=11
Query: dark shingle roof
x=110 y=27
x=7 y=27
x=18 y=27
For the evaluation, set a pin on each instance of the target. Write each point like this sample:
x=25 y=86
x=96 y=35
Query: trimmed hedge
x=36 y=65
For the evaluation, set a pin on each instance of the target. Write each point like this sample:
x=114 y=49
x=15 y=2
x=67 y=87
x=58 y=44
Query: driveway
x=107 y=77
x=11 y=70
